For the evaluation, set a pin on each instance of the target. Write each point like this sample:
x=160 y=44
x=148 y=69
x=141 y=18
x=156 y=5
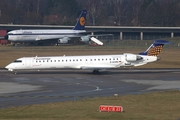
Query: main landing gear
x=96 y=72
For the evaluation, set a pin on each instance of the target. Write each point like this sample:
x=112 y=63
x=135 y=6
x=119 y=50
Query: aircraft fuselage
x=37 y=35
x=95 y=62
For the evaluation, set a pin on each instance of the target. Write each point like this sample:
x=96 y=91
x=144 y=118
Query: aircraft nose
x=9 y=67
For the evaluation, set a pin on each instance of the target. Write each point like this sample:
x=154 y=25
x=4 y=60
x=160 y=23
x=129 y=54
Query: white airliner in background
x=60 y=36
x=91 y=62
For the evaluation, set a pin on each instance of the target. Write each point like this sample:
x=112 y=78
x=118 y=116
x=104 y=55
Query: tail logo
x=154 y=51
x=82 y=21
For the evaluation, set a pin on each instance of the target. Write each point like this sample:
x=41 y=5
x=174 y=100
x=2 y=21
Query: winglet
x=81 y=21
x=155 y=48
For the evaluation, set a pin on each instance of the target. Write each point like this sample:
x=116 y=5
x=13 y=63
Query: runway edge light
x=110 y=108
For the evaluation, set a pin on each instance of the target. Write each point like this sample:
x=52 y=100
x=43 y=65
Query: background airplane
x=60 y=36
x=91 y=62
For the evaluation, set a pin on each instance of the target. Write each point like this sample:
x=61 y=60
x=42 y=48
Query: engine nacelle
x=132 y=57
x=63 y=40
x=84 y=39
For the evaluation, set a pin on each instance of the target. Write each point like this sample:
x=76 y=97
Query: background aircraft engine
x=64 y=40
x=84 y=39
x=132 y=57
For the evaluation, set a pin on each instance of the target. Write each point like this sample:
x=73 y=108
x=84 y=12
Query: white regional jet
x=60 y=36
x=91 y=62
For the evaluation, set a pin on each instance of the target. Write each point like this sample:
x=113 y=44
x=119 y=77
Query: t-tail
x=80 y=25
x=155 y=48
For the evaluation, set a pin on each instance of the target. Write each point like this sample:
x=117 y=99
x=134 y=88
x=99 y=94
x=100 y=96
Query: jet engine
x=84 y=39
x=132 y=57
x=64 y=40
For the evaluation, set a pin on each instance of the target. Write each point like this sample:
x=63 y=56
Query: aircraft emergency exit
x=91 y=62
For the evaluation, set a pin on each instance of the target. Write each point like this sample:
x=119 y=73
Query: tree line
x=160 y=13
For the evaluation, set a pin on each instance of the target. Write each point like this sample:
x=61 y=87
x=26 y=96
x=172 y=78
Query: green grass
x=149 y=106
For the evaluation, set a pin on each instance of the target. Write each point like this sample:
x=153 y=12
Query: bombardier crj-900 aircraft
x=91 y=62
x=60 y=36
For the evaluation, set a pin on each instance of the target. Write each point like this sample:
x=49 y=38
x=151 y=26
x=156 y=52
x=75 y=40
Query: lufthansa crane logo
x=82 y=21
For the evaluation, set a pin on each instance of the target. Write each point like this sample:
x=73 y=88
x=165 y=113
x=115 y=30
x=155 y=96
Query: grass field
x=149 y=106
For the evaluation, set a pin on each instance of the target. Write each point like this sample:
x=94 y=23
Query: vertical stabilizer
x=155 y=48
x=80 y=25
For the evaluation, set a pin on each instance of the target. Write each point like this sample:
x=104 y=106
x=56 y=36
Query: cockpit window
x=17 y=61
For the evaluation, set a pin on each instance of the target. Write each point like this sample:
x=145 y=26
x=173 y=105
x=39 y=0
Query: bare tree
x=136 y=5
x=171 y=12
x=94 y=8
x=120 y=10
x=100 y=12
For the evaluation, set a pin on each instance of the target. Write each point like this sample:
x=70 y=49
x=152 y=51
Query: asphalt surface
x=36 y=87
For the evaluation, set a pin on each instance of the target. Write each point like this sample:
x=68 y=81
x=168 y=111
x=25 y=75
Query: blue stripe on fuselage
x=46 y=34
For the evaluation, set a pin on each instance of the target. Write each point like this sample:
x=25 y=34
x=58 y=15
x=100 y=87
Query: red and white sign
x=109 y=108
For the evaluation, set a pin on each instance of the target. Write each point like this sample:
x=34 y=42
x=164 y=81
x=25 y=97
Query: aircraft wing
x=46 y=38
x=75 y=36
x=96 y=35
x=96 y=67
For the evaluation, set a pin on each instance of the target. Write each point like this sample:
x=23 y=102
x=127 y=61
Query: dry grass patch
x=169 y=57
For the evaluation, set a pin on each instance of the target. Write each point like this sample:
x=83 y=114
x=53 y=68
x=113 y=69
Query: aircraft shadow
x=108 y=72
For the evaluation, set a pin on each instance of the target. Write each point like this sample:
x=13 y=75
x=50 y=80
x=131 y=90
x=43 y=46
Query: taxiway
x=36 y=87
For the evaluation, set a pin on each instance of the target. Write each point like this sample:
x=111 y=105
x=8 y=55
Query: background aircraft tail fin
x=155 y=48
x=80 y=25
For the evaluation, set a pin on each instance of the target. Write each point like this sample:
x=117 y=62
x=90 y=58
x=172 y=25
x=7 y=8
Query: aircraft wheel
x=96 y=72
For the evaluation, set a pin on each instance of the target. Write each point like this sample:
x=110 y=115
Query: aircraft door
x=117 y=61
x=28 y=62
